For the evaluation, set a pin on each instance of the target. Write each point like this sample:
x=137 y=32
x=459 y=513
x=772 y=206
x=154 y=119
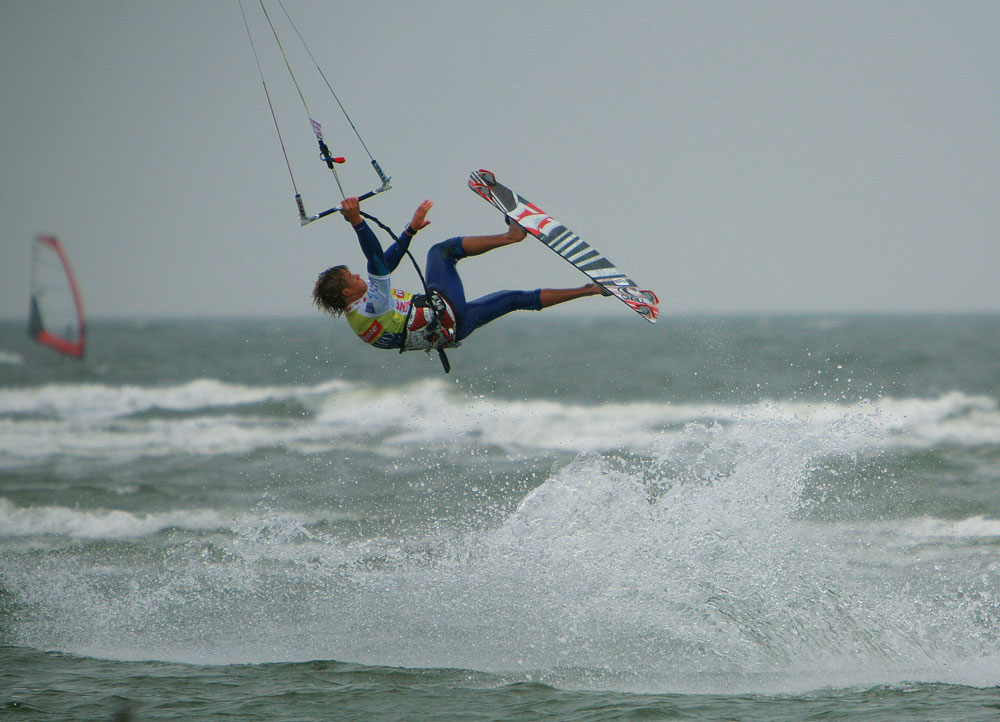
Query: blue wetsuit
x=383 y=314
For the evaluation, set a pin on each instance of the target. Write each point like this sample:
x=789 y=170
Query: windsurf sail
x=55 y=317
x=329 y=160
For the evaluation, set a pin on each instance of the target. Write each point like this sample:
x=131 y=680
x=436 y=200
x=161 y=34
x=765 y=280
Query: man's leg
x=489 y=308
x=441 y=274
x=553 y=296
x=440 y=271
x=475 y=245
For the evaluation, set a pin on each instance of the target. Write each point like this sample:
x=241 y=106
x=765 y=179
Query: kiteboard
x=567 y=244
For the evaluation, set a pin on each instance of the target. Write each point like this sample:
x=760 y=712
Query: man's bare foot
x=552 y=296
x=514 y=232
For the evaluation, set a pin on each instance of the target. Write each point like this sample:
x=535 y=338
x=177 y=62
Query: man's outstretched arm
x=377 y=265
x=419 y=221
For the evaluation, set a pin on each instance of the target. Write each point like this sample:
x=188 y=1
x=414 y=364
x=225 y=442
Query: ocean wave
x=96 y=402
x=210 y=417
x=35 y=521
x=31 y=441
x=11 y=358
x=431 y=411
x=714 y=579
x=925 y=529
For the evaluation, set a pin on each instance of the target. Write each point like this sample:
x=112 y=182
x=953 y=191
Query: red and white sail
x=56 y=315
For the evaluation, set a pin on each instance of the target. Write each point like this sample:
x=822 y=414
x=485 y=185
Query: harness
x=438 y=337
x=435 y=333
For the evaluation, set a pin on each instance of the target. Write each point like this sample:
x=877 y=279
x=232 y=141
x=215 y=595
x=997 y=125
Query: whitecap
x=34 y=521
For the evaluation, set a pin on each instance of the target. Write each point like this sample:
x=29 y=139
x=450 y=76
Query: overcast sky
x=733 y=156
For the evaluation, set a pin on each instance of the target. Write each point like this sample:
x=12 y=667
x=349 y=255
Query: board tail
x=485 y=184
x=641 y=300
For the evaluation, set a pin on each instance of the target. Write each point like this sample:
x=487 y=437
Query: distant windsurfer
x=393 y=319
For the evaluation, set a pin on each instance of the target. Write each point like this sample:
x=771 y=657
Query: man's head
x=328 y=293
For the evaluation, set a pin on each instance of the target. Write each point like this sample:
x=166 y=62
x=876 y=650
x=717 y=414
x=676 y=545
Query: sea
x=787 y=517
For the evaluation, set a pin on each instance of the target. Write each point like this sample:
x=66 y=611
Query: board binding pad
x=567 y=244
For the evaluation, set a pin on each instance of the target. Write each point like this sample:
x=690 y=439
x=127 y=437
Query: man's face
x=354 y=285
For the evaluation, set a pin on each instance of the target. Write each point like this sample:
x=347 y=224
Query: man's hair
x=328 y=293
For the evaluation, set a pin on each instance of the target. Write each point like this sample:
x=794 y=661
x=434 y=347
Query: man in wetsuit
x=389 y=318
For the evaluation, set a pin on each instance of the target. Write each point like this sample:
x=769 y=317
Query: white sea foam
x=715 y=574
x=95 y=402
x=929 y=528
x=101 y=524
x=92 y=421
x=282 y=531
x=30 y=441
x=430 y=411
x=11 y=358
x=691 y=573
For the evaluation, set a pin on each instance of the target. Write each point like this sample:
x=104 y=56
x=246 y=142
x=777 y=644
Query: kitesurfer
x=390 y=318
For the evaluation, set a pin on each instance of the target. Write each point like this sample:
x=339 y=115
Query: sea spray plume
x=703 y=567
x=648 y=552
x=694 y=563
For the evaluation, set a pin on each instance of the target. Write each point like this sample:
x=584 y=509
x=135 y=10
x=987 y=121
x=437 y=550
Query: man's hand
x=350 y=209
x=419 y=220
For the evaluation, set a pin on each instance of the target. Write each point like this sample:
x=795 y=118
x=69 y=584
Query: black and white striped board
x=567 y=244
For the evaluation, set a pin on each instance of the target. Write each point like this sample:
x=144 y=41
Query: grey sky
x=733 y=156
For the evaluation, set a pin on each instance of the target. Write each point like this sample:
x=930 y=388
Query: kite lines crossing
x=331 y=161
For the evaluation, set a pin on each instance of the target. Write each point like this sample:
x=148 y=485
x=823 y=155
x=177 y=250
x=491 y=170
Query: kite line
x=331 y=161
